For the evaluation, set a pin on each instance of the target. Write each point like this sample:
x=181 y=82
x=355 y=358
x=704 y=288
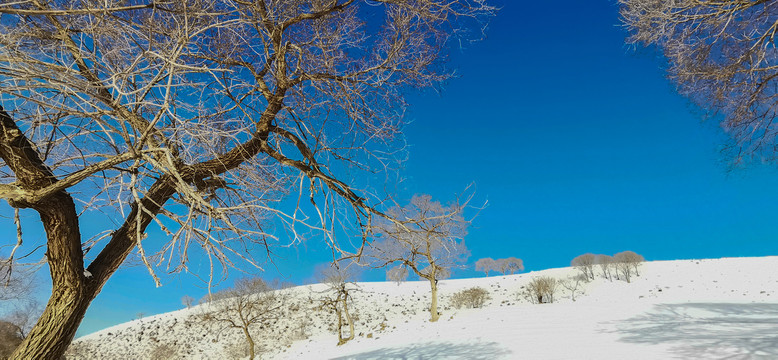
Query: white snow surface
x=683 y=309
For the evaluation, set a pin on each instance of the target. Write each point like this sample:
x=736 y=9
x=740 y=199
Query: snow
x=701 y=309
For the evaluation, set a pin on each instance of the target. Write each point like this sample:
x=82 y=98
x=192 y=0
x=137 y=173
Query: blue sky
x=578 y=143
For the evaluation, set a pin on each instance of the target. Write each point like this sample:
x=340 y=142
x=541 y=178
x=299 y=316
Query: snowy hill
x=684 y=309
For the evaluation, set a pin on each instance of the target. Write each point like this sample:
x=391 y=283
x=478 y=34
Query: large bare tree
x=199 y=117
x=722 y=55
x=427 y=238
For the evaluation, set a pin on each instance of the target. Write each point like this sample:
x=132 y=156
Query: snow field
x=684 y=309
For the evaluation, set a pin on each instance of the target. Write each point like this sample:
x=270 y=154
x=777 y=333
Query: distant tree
x=722 y=56
x=427 y=238
x=440 y=273
x=250 y=302
x=541 y=290
x=24 y=315
x=10 y=337
x=574 y=284
x=626 y=262
x=340 y=283
x=187 y=301
x=397 y=274
x=584 y=263
x=635 y=259
x=605 y=262
x=16 y=281
x=485 y=265
x=509 y=265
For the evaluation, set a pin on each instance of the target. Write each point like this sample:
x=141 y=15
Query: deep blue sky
x=578 y=142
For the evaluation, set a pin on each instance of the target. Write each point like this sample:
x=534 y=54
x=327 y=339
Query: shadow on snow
x=434 y=350
x=707 y=330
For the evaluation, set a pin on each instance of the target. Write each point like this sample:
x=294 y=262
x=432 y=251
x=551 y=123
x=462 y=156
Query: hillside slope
x=702 y=309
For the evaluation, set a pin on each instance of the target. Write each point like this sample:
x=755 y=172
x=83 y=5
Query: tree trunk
x=249 y=342
x=340 y=325
x=57 y=326
x=434 y=315
x=348 y=320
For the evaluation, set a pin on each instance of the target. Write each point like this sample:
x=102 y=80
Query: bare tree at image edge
x=428 y=239
x=721 y=55
x=199 y=117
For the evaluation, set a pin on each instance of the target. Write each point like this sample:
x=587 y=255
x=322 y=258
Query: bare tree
x=623 y=262
x=605 y=262
x=16 y=281
x=397 y=274
x=340 y=282
x=428 y=239
x=509 y=265
x=574 y=284
x=198 y=117
x=722 y=56
x=486 y=265
x=250 y=302
x=187 y=301
x=10 y=338
x=24 y=316
x=18 y=317
x=585 y=263
x=631 y=258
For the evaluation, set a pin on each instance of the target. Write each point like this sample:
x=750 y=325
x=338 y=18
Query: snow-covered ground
x=685 y=309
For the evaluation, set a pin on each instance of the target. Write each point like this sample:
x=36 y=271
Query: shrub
x=540 y=290
x=163 y=352
x=470 y=298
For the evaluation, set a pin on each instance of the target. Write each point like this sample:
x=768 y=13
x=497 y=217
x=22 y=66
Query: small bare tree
x=509 y=265
x=722 y=56
x=605 y=262
x=635 y=259
x=10 y=337
x=16 y=281
x=397 y=274
x=626 y=262
x=340 y=282
x=623 y=263
x=187 y=301
x=250 y=302
x=585 y=263
x=485 y=265
x=427 y=238
x=574 y=284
